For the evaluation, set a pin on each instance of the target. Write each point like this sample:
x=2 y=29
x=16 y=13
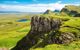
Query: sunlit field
x=12 y=29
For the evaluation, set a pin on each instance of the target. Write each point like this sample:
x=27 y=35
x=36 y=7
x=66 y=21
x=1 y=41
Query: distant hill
x=48 y=12
x=56 y=11
x=72 y=10
x=10 y=12
x=21 y=12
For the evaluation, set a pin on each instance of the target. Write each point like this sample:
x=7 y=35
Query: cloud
x=33 y=7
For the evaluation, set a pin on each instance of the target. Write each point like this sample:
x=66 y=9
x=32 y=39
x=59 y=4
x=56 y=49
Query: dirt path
x=4 y=48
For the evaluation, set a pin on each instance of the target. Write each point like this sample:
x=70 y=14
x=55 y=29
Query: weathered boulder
x=66 y=37
x=43 y=31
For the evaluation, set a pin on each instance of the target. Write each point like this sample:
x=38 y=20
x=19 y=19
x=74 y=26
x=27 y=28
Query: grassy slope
x=73 y=23
x=10 y=36
x=11 y=31
x=72 y=46
x=72 y=7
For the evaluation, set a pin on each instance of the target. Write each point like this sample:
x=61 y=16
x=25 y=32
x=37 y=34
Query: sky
x=35 y=5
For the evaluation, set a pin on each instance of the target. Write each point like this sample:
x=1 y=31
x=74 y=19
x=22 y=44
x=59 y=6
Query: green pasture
x=11 y=31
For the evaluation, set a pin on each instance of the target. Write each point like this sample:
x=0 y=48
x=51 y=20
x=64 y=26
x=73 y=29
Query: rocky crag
x=43 y=31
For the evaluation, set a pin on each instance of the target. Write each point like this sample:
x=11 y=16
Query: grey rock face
x=45 y=30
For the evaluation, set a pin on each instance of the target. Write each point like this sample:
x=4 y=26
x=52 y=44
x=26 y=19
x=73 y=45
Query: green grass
x=74 y=8
x=10 y=34
x=10 y=38
x=12 y=31
x=72 y=46
x=73 y=24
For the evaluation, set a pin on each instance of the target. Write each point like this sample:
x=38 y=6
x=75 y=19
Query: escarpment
x=43 y=31
x=72 y=10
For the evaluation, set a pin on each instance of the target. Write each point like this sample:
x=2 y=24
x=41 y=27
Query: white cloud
x=33 y=7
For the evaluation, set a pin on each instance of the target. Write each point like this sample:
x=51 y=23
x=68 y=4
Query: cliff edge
x=43 y=31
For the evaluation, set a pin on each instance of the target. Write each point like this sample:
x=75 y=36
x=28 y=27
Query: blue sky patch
x=35 y=5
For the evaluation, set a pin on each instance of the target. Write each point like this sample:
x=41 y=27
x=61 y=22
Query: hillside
x=48 y=12
x=49 y=30
x=54 y=30
x=72 y=10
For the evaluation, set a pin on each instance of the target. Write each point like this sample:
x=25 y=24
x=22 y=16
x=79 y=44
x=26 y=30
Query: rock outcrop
x=43 y=31
x=72 y=10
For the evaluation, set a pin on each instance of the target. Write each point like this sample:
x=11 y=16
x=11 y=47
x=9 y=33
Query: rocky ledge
x=43 y=31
